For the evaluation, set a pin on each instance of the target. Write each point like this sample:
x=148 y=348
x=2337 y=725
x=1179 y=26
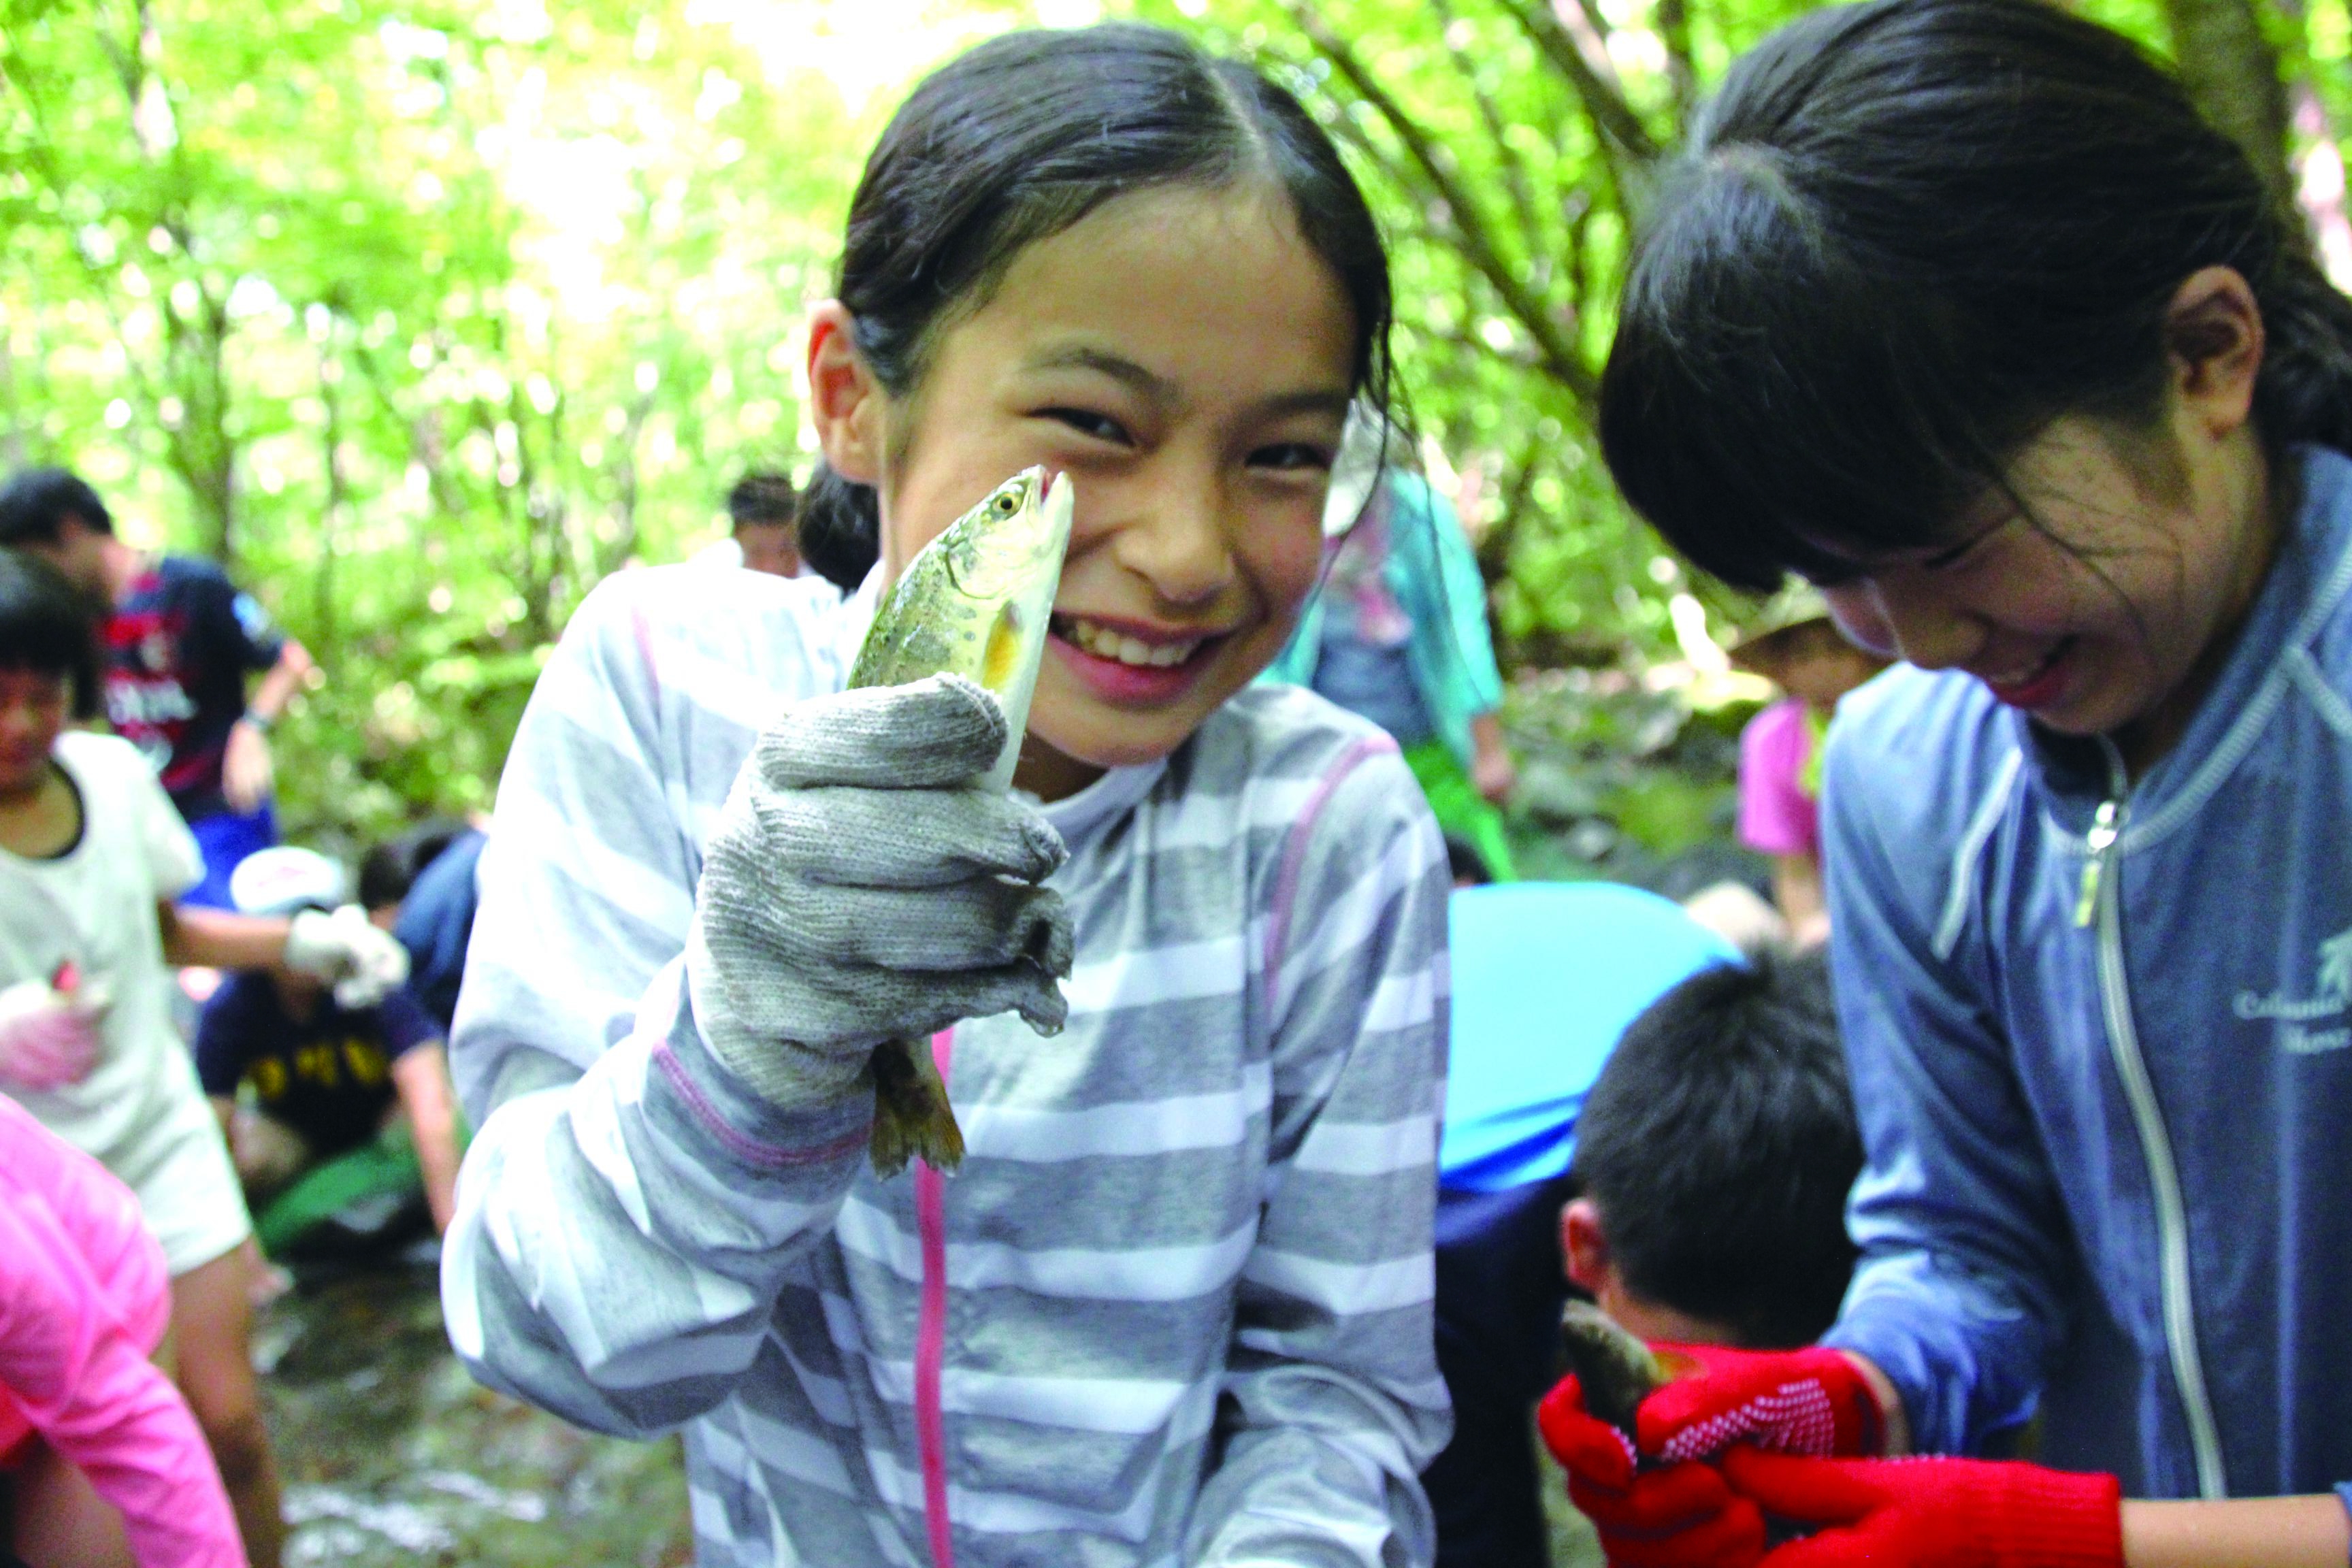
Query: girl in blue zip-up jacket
x=1960 y=310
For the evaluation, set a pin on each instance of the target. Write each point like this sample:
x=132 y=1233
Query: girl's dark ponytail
x=840 y=528
x=2305 y=393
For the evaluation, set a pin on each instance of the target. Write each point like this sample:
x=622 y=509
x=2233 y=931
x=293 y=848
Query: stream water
x=392 y=1455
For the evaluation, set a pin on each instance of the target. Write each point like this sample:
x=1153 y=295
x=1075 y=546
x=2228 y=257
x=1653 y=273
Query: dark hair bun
x=840 y=528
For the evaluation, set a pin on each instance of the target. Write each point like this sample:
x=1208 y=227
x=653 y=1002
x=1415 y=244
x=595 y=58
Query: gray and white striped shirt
x=1177 y=1306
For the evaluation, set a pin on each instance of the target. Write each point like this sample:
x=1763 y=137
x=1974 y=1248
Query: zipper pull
x=2097 y=841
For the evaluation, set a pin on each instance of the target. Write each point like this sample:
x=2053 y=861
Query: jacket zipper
x=2103 y=895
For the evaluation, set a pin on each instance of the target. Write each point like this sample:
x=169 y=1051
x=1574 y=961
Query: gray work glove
x=347 y=951
x=856 y=891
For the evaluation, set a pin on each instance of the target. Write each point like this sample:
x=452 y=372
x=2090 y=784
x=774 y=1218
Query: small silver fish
x=1615 y=1370
x=974 y=602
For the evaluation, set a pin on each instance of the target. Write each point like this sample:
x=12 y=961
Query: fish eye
x=1006 y=503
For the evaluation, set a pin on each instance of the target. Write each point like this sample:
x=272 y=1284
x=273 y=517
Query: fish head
x=999 y=546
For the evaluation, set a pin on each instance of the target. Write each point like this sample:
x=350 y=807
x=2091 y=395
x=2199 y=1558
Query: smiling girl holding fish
x=1176 y=1306
x=1960 y=310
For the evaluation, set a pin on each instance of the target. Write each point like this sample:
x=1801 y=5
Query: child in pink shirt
x=1780 y=755
x=84 y=1415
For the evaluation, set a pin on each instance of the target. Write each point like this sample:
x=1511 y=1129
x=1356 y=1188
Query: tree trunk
x=2232 y=74
x=338 y=495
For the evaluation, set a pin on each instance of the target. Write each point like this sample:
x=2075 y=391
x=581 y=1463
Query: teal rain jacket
x=1433 y=573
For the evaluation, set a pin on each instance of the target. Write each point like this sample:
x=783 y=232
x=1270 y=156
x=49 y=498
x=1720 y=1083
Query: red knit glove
x=1811 y=1401
x=1677 y=1516
x=1933 y=1513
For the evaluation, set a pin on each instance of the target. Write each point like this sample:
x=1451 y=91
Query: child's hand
x=1933 y=1513
x=1676 y=1516
x=1812 y=1401
x=48 y=1038
x=855 y=891
x=362 y=961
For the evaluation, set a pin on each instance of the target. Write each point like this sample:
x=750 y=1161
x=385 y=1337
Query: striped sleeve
x=621 y=1234
x=620 y=1241
x=587 y=880
x=1331 y=1402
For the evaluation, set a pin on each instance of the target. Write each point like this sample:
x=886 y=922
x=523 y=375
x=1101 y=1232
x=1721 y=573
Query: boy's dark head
x=763 y=508
x=391 y=867
x=1713 y=1160
x=55 y=515
x=48 y=664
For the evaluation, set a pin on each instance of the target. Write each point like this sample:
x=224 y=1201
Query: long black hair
x=49 y=627
x=1906 y=237
x=1018 y=140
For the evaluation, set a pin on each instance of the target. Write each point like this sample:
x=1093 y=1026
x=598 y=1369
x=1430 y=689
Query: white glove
x=856 y=892
x=343 y=949
x=48 y=1038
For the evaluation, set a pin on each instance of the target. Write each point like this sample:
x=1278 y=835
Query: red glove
x=1677 y=1516
x=1933 y=1513
x=1811 y=1401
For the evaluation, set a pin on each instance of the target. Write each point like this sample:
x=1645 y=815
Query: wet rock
x=392 y=1454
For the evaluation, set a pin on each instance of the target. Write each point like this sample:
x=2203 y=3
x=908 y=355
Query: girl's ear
x=2213 y=331
x=846 y=402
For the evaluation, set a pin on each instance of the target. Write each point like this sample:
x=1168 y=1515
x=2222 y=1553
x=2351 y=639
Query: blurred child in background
x=349 y=1101
x=100 y=1462
x=1801 y=652
x=1398 y=633
x=179 y=641
x=92 y=860
x=420 y=887
x=1713 y=1161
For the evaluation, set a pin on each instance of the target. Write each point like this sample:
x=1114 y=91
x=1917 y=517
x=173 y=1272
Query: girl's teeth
x=1107 y=644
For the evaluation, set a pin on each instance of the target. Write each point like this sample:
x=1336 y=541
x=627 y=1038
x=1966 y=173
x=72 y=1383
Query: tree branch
x=1515 y=170
x=1502 y=533
x=1614 y=117
x=2231 y=73
x=1682 y=69
x=1556 y=353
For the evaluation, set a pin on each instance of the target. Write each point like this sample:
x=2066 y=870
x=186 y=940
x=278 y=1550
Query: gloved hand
x=1933 y=1513
x=855 y=891
x=1812 y=1401
x=48 y=1038
x=360 y=962
x=1677 y=1516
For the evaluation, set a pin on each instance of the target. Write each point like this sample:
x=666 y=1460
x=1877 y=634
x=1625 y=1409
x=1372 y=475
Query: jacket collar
x=2308 y=580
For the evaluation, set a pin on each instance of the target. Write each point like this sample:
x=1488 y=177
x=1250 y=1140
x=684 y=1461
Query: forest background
x=425 y=315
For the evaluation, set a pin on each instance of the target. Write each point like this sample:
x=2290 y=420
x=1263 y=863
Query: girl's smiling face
x=1185 y=357
x=2101 y=590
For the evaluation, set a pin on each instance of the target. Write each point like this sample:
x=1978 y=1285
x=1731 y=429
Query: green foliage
x=425 y=317
x=427 y=314
x=1510 y=145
